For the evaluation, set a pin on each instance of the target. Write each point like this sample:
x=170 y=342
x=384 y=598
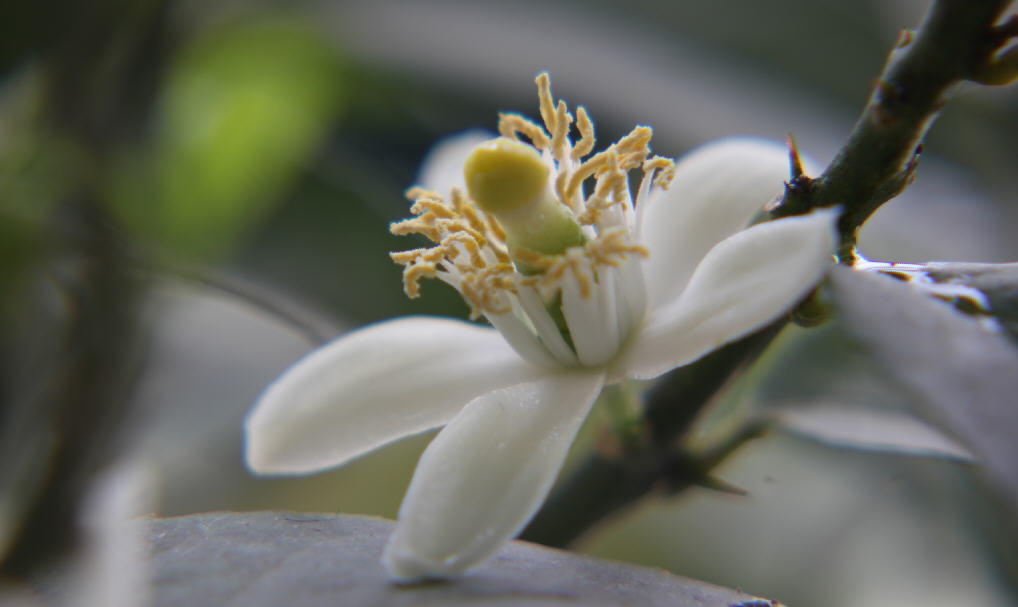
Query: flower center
x=556 y=271
x=508 y=180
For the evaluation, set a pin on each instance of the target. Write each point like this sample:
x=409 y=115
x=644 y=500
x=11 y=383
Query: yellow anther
x=612 y=188
x=496 y=230
x=435 y=207
x=416 y=225
x=535 y=260
x=553 y=269
x=416 y=268
x=511 y=126
x=588 y=169
x=547 y=103
x=417 y=192
x=462 y=205
x=576 y=261
x=562 y=191
x=665 y=168
x=560 y=145
x=469 y=243
x=405 y=257
x=612 y=247
x=485 y=289
x=634 y=148
x=504 y=175
x=586 y=143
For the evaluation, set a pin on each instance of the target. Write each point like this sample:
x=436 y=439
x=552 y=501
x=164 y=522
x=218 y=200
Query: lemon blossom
x=583 y=285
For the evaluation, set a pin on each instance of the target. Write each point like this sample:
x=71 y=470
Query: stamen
x=514 y=125
x=586 y=170
x=419 y=263
x=613 y=246
x=665 y=168
x=579 y=264
x=462 y=206
x=560 y=146
x=435 y=207
x=571 y=200
x=546 y=102
x=485 y=289
x=634 y=148
x=499 y=236
x=470 y=244
x=612 y=189
x=416 y=225
x=417 y=192
x=586 y=143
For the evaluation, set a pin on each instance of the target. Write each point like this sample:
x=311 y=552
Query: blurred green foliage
x=243 y=106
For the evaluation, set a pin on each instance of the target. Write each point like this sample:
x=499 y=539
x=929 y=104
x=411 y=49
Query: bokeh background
x=249 y=156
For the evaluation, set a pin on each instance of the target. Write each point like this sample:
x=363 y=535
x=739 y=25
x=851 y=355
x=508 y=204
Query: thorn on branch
x=904 y=38
x=794 y=160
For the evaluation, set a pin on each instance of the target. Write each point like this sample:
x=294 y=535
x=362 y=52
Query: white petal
x=630 y=295
x=592 y=320
x=486 y=474
x=442 y=168
x=546 y=329
x=373 y=386
x=519 y=335
x=717 y=190
x=745 y=282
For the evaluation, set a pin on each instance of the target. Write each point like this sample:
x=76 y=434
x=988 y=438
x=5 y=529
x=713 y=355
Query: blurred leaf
x=858 y=426
x=302 y=560
x=959 y=374
x=244 y=105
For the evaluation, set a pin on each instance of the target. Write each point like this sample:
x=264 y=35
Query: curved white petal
x=442 y=168
x=486 y=473
x=592 y=320
x=743 y=283
x=373 y=386
x=717 y=190
x=518 y=334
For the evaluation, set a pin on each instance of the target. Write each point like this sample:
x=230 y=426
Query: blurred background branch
x=65 y=406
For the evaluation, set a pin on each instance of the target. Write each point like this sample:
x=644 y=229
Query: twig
x=957 y=41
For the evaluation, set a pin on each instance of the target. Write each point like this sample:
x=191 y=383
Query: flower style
x=584 y=287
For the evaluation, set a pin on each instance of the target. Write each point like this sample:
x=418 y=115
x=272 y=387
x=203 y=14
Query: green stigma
x=509 y=180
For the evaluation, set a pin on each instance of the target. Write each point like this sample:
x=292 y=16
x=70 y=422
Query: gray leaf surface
x=997 y=281
x=853 y=425
x=963 y=376
x=310 y=560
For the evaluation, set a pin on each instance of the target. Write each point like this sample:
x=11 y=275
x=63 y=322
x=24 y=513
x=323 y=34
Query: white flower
x=583 y=289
